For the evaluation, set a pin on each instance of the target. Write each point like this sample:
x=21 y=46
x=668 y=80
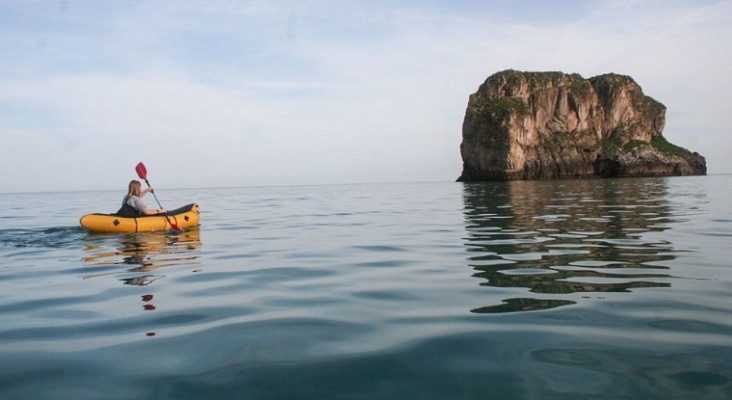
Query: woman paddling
x=133 y=206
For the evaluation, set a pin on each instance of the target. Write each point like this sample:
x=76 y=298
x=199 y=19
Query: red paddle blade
x=141 y=170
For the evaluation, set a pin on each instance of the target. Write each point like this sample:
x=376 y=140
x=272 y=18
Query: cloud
x=254 y=93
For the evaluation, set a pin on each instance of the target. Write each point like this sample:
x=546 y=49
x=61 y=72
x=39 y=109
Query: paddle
x=142 y=173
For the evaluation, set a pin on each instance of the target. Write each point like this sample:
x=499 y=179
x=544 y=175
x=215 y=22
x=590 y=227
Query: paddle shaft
x=153 y=193
x=142 y=173
x=172 y=225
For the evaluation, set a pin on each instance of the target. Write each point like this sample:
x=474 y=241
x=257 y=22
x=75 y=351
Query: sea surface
x=571 y=289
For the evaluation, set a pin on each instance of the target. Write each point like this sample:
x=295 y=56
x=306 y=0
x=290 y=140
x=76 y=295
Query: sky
x=236 y=93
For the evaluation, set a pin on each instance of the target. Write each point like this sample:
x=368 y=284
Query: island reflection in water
x=135 y=256
x=568 y=236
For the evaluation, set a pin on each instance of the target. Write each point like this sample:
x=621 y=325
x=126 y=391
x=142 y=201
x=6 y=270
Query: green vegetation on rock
x=651 y=106
x=666 y=147
x=503 y=106
x=612 y=142
x=633 y=144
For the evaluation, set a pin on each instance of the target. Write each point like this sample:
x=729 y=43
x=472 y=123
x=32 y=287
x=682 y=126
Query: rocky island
x=546 y=125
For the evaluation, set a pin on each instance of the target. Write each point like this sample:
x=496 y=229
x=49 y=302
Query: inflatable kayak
x=184 y=217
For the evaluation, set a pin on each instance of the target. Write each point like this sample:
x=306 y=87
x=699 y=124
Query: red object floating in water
x=147 y=297
x=150 y=334
x=148 y=307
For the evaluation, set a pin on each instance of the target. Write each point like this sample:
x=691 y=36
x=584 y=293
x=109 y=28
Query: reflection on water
x=512 y=305
x=138 y=255
x=138 y=258
x=559 y=237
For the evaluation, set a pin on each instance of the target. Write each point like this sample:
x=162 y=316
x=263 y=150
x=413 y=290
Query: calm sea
x=586 y=289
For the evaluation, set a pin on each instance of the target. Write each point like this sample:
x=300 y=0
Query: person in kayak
x=133 y=206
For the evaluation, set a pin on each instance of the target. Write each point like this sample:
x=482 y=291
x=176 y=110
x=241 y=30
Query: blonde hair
x=134 y=188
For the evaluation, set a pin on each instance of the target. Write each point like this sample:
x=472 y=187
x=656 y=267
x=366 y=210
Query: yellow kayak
x=184 y=217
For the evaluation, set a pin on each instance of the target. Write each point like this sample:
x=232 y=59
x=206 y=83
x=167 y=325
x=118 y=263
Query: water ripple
x=508 y=290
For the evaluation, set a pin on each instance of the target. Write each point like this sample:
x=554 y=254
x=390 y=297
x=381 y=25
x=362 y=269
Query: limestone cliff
x=543 y=125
